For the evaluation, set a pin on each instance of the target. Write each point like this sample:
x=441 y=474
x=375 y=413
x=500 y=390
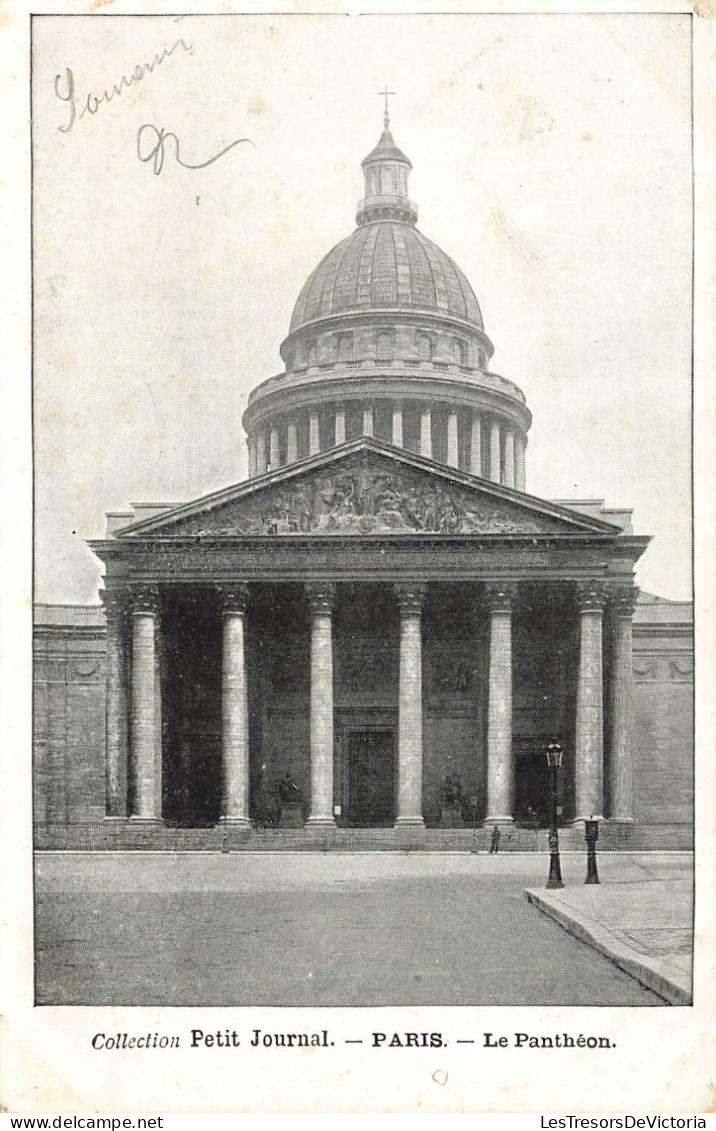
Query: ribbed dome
x=386 y=265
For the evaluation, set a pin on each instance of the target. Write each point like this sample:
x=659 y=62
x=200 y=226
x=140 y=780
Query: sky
x=551 y=159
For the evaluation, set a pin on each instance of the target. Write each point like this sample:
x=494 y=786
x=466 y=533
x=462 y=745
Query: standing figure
x=495 y=841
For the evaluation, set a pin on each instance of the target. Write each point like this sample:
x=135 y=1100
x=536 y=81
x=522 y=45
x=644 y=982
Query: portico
x=365 y=655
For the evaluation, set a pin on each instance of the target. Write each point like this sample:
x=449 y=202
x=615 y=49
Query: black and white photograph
x=363 y=608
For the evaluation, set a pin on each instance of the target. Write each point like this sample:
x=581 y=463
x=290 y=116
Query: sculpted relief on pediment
x=361 y=500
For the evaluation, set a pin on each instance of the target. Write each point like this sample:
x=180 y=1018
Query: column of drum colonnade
x=141 y=612
x=506 y=448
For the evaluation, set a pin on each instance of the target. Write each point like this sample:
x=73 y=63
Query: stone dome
x=386 y=265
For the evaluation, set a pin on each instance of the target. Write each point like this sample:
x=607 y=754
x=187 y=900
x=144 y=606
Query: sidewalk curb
x=649 y=971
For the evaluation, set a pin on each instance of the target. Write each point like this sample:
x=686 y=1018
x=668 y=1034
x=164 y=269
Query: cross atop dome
x=386 y=94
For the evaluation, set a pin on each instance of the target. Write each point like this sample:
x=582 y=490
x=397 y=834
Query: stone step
x=115 y=835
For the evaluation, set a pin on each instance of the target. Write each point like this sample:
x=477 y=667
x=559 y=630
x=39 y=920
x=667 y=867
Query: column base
x=621 y=821
x=136 y=819
x=579 y=821
x=409 y=822
x=499 y=821
x=116 y=817
x=236 y=822
x=321 y=822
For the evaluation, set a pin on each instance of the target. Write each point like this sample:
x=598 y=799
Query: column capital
x=145 y=599
x=410 y=598
x=114 y=603
x=233 y=598
x=591 y=596
x=500 y=596
x=623 y=599
x=321 y=596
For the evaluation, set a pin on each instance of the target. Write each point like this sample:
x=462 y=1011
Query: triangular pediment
x=366 y=488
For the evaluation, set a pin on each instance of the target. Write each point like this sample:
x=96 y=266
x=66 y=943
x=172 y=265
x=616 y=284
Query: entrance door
x=371 y=777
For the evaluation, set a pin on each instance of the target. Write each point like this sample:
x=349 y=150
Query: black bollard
x=554 y=760
x=555 y=870
x=591 y=833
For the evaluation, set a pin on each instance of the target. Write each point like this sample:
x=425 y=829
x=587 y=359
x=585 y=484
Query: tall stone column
x=147 y=782
x=291 y=442
x=274 y=449
x=410 y=707
x=314 y=436
x=261 y=458
x=509 y=458
x=321 y=596
x=116 y=708
x=589 y=743
x=500 y=764
x=452 y=444
x=476 y=445
x=426 y=434
x=397 y=434
x=251 y=447
x=495 y=451
x=368 y=427
x=158 y=729
x=340 y=426
x=520 y=480
x=234 y=706
x=621 y=767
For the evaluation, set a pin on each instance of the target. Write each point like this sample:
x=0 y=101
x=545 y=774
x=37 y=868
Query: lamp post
x=554 y=761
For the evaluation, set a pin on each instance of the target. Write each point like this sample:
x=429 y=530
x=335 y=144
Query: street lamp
x=554 y=761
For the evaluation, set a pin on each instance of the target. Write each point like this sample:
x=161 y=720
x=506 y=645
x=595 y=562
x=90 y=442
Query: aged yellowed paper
x=307 y=624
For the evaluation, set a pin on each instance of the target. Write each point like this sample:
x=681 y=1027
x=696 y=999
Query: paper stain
x=100 y=4
x=257 y=105
x=511 y=237
x=705 y=9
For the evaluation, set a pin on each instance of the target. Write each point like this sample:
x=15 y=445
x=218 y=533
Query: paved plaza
x=312 y=929
x=642 y=923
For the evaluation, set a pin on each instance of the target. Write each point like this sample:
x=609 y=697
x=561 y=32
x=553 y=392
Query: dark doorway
x=371 y=777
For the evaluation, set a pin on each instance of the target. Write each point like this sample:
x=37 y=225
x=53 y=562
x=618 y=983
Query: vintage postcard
x=357 y=419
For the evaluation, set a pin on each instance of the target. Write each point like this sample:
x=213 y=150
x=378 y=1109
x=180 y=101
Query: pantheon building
x=375 y=636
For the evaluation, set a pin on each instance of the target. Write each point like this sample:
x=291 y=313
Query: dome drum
x=483 y=445
x=479 y=431
x=388 y=336
x=421 y=379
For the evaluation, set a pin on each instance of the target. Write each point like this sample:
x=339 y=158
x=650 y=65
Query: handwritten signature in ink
x=65 y=87
x=151 y=144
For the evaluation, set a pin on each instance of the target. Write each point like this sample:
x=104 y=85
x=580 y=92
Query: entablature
x=298 y=558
